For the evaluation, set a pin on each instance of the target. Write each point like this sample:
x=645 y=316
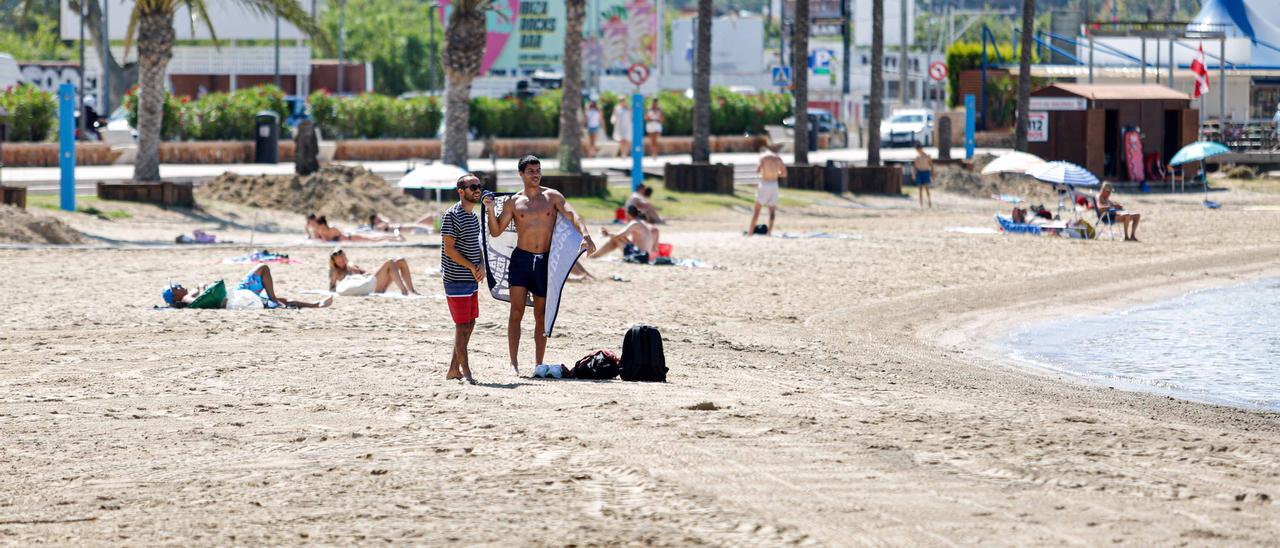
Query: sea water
x=1219 y=345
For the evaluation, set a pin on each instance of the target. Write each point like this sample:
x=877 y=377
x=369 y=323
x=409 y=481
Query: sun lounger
x=1010 y=227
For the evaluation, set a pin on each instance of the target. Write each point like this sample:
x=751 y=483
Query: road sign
x=638 y=73
x=820 y=60
x=781 y=76
x=938 y=71
x=1037 y=126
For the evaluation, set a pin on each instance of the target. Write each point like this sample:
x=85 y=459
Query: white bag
x=243 y=299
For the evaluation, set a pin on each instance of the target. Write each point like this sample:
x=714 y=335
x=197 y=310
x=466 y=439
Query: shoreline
x=992 y=328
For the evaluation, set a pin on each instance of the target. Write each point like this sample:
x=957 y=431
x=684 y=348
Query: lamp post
x=342 y=34
x=431 y=45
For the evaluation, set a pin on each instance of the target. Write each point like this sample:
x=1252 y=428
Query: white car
x=907 y=127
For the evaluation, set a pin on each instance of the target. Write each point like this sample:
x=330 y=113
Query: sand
x=855 y=398
x=342 y=193
x=19 y=226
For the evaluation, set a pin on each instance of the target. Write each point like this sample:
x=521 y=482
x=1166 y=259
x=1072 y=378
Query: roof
x=1252 y=19
x=1120 y=91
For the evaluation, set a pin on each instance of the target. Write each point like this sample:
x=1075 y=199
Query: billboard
x=529 y=35
x=737 y=46
x=231 y=21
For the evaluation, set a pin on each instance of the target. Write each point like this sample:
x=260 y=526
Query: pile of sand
x=337 y=192
x=21 y=227
x=972 y=183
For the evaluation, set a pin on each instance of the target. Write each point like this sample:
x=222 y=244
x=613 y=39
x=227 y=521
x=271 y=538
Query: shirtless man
x=770 y=169
x=638 y=240
x=534 y=210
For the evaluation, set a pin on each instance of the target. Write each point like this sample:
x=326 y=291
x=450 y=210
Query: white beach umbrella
x=1063 y=173
x=1013 y=162
x=438 y=176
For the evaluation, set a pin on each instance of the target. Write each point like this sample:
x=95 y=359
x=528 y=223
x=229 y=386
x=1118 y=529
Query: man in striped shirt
x=462 y=270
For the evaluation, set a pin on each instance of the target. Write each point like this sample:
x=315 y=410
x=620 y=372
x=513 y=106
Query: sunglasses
x=474 y=186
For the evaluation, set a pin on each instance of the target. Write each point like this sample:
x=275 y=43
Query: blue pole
x=67 y=144
x=637 y=140
x=968 y=127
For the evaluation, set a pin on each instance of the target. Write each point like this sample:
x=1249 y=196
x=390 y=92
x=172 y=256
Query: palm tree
x=1024 y=74
x=877 y=83
x=800 y=70
x=702 y=85
x=570 y=153
x=151 y=24
x=464 y=39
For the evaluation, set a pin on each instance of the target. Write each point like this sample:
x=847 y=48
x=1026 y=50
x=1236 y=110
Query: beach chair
x=1105 y=222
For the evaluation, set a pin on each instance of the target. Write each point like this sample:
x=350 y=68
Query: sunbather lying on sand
x=381 y=223
x=258 y=282
x=638 y=240
x=321 y=230
x=351 y=280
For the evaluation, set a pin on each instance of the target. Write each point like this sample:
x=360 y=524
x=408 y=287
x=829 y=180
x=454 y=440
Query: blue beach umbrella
x=1063 y=173
x=1197 y=152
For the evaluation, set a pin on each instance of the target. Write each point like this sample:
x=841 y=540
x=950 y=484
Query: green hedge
x=515 y=117
x=731 y=113
x=33 y=114
x=214 y=117
x=373 y=116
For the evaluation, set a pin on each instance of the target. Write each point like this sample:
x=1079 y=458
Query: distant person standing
x=653 y=120
x=462 y=270
x=622 y=127
x=923 y=165
x=770 y=169
x=593 y=126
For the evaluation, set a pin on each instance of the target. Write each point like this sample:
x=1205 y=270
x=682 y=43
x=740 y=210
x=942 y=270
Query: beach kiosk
x=1114 y=130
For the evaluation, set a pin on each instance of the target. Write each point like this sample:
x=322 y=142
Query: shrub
x=229 y=116
x=32 y=113
x=516 y=117
x=374 y=116
x=1242 y=172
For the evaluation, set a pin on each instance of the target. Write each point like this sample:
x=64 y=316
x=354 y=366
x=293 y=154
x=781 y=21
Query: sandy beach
x=823 y=391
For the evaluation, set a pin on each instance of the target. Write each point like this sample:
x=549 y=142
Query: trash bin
x=813 y=133
x=266 y=137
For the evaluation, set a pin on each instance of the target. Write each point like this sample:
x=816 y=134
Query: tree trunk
x=1024 y=74
x=463 y=52
x=877 y=83
x=121 y=78
x=702 y=85
x=570 y=153
x=800 y=70
x=155 y=47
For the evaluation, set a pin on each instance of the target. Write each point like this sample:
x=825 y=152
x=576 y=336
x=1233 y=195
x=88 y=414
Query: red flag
x=1202 y=75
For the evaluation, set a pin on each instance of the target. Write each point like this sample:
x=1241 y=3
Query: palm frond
x=198 y=10
x=291 y=11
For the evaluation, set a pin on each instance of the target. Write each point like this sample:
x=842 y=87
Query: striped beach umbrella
x=1063 y=173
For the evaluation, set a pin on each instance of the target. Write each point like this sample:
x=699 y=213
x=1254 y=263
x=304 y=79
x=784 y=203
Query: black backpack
x=642 y=358
x=601 y=365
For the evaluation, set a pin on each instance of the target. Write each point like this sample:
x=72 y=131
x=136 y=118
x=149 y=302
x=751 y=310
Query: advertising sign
x=1037 y=127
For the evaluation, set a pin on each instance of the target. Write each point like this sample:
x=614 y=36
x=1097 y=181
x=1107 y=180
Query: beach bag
x=211 y=297
x=601 y=365
x=760 y=229
x=642 y=357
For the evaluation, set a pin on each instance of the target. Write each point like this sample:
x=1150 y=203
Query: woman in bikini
x=353 y=281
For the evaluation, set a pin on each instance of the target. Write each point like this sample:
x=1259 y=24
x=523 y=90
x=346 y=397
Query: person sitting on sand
x=258 y=281
x=381 y=223
x=352 y=281
x=638 y=240
x=313 y=226
x=323 y=232
x=641 y=199
x=1111 y=212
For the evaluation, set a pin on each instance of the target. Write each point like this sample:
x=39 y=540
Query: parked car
x=118 y=131
x=826 y=122
x=907 y=127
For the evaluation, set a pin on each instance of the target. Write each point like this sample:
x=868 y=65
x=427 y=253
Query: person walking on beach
x=593 y=127
x=462 y=271
x=622 y=127
x=534 y=210
x=923 y=165
x=653 y=126
x=770 y=169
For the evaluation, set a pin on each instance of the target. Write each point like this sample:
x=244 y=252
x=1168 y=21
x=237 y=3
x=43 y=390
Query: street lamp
x=431 y=45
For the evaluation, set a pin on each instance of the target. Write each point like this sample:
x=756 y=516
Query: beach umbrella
x=1013 y=162
x=437 y=177
x=1063 y=173
x=1197 y=152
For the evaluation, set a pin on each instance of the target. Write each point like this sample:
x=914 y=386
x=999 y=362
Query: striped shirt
x=464 y=227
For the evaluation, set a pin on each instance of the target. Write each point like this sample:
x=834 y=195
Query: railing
x=1261 y=136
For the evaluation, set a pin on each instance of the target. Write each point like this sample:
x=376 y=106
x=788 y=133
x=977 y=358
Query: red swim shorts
x=465 y=309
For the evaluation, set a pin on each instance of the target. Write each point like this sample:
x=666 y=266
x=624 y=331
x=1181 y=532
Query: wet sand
x=857 y=400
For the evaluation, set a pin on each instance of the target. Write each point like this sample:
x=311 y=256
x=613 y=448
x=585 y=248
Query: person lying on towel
x=638 y=240
x=258 y=286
